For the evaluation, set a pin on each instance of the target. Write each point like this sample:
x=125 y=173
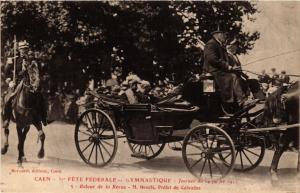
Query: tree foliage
x=88 y=38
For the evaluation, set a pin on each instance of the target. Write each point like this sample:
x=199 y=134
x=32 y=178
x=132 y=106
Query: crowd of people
x=270 y=83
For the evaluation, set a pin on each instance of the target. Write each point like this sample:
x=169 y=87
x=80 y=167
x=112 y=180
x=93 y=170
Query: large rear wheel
x=201 y=148
x=96 y=138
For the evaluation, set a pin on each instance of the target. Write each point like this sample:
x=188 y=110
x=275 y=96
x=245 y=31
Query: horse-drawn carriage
x=219 y=143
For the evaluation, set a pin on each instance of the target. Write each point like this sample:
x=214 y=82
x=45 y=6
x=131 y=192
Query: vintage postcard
x=150 y=96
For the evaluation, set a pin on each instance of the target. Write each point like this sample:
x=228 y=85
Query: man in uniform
x=25 y=65
x=216 y=62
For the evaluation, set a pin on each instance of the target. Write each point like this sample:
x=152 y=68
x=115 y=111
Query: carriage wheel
x=96 y=138
x=146 y=151
x=201 y=148
x=250 y=151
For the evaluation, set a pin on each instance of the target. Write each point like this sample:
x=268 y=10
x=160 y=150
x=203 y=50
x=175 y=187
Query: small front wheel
x=201 y=149
x=96 y=138
x=146 y=151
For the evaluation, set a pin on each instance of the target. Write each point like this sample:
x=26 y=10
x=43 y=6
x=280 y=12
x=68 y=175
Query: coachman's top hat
x=218 y=30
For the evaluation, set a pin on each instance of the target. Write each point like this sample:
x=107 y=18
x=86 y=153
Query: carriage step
x=139 y=155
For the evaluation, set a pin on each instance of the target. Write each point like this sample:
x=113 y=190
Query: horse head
x=283 y=104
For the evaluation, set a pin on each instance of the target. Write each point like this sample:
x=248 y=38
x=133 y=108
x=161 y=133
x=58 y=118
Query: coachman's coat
x=216 y=62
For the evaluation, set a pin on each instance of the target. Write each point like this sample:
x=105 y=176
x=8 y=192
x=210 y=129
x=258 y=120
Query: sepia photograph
x=150 y=96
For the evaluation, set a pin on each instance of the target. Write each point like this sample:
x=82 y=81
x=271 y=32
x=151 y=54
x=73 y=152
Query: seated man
x=26 y=67
x=216 y=62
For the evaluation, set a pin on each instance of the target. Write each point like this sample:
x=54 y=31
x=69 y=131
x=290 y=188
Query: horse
x=283 y=106
x=24 y=111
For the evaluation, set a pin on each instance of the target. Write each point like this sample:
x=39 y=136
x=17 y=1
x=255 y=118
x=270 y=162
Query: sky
x=279 y=27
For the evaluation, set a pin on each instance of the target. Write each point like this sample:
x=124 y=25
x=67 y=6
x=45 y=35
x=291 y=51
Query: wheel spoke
x=224 y=162
x=193 y=154
x=134 y=147
x=198 y=147
x=196 y=162
x=111 y=145
x=83 y=140
x=203 y=167
x=197 y=140
x=96 y=156
x=140 y=148
x=251 y=152
x=103 y=131
x=105 y=149
x=101 y=152
x=151 y=149
x=216 y=165
x=227 y=156
x=209 y=168
x=212 y=142
x=242 y=165
x=84 y=133
x=247 y=157
x=91 y=152
x=87 y=147
x=88 y=117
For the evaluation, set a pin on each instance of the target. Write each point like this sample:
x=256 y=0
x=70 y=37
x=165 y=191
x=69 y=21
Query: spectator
x=115 y=77
x=284 y=78
x=264 y=78
x=275 y=78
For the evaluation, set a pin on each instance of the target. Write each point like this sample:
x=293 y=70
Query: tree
x=88 y=38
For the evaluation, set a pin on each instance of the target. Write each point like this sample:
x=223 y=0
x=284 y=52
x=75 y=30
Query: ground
x=62 y=170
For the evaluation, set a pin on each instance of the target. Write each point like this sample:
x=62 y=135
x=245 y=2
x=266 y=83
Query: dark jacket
x=264 y=78
x=216 y=62
x=215 y=57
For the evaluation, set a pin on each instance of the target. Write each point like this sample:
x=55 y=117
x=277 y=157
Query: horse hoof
x=274 y=178
x=24 y=159
x=19 y=162
x=4 y=149
x=41 y=154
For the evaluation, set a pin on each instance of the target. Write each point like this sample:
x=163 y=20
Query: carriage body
x=219 y=136
x=147 y=124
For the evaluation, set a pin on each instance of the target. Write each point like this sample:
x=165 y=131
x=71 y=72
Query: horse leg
x=20 y=145
x=6 y=134
x=42 y=137
x=274 y=165
x=24 y=134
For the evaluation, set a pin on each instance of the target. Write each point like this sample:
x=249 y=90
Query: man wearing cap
x=284 y=78
x=264 y=78
x=26 y=67
x=216 y=62
x=275 y=78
